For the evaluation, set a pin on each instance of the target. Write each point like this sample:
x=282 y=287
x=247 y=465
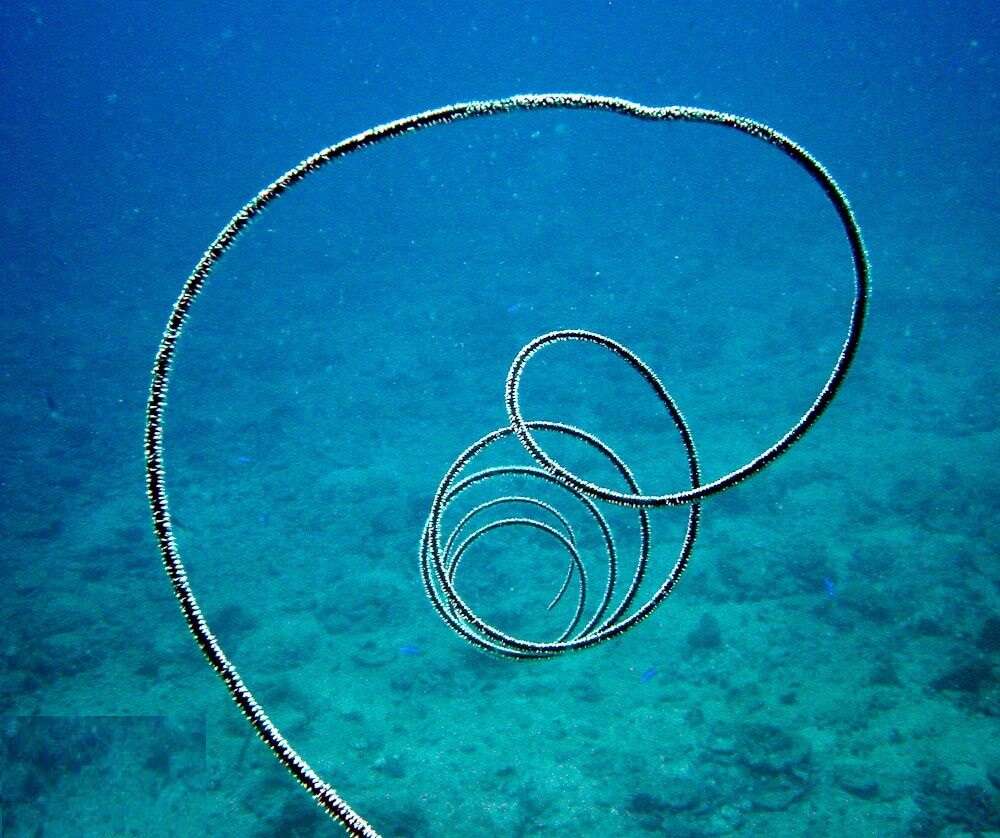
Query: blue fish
x=409 y=651
x=830 y=586
x=648 y=675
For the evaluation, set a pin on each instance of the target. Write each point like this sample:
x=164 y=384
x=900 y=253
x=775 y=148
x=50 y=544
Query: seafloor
x=827 y=665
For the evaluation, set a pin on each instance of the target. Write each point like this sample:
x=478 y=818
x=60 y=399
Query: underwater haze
x=827 y=664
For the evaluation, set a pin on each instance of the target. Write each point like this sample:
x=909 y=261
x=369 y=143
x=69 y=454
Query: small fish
x=243 y=459
x=50 y=403
x=648 y=675
x=830 y=586
x=409 y=650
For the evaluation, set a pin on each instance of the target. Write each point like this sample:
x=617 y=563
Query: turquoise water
x=828 y=663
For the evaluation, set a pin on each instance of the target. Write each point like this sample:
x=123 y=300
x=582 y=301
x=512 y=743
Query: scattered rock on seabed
x=945 y=804
x=856 y=779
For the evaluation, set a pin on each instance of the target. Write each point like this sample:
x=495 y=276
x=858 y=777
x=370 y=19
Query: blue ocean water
x=827 y=664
